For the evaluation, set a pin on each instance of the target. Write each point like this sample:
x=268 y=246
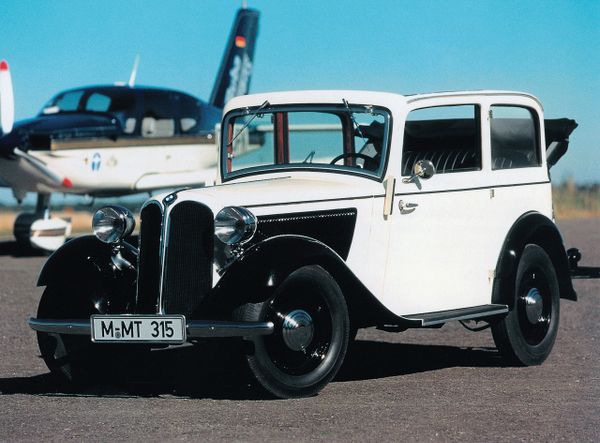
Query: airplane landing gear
x=39 y=229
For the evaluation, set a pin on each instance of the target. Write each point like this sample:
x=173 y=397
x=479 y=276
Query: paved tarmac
x=422 y=385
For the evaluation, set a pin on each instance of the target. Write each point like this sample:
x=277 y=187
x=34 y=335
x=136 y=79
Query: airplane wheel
x=311 y=334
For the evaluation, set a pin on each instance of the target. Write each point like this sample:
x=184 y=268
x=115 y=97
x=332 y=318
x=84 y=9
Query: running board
x=439 y=317
x=585 y=272
x=577 y=271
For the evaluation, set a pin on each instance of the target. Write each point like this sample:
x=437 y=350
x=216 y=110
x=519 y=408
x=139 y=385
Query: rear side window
x=448 y=136
x=515 y=141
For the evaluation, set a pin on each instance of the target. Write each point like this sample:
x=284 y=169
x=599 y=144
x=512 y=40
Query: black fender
x=531 y=227
x=254 y=276
x=86 y=262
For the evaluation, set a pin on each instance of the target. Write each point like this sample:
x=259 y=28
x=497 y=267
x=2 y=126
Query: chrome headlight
x=235 y=225
x=111 y=224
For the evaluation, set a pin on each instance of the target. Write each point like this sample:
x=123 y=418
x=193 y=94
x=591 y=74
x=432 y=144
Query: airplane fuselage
x=110 y=141
x=116 y=140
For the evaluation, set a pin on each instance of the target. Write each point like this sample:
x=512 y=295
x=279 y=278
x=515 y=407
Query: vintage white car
x=335 y=210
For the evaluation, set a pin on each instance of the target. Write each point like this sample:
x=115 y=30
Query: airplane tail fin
x=236 y=67
x=7 y=104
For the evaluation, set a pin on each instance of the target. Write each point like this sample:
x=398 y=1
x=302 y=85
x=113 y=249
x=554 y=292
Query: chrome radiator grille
x=186 y=268
x=187 y=275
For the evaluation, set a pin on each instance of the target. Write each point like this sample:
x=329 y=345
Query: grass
x=571 y=201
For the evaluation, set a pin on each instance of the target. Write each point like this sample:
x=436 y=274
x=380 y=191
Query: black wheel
x=353 y=333
x=311 y=334
x=74 y=359
x=526 y=335
x=67 y=356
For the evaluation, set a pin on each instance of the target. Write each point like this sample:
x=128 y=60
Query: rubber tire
x=67 y=356
x=508 y=334
x=273 y=379
x=74 y=360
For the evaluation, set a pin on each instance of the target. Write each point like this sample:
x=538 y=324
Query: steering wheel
x=369 y=162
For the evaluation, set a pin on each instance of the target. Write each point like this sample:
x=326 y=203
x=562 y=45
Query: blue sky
x=548 y=48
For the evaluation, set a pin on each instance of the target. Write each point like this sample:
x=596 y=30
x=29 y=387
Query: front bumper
x=195 y=328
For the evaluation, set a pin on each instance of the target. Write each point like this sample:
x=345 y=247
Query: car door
x=438 y=253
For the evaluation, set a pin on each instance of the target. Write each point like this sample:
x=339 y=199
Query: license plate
x=138 y=328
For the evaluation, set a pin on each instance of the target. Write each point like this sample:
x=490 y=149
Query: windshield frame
x=337 y=108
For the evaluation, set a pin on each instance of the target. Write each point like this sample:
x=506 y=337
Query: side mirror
x=421 y=169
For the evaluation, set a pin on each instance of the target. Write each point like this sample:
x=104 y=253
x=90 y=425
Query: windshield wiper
x=256 y=114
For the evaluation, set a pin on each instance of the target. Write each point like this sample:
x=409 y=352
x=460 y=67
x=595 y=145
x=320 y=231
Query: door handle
x=406 y=207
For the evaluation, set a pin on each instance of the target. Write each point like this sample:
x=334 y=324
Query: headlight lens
x=235 y=225
x=111 y=224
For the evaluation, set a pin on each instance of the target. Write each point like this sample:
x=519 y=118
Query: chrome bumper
x=195 y=328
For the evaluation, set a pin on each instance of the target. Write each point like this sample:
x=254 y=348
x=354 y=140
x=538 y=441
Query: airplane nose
x=7 y=144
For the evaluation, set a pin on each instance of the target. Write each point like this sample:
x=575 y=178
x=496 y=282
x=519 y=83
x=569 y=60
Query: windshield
x=94 y=100
x=347 y=138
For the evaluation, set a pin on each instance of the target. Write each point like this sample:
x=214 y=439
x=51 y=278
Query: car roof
x=356 y=96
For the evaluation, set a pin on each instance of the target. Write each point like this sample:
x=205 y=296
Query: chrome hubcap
x=534 y=306
x=297 y=330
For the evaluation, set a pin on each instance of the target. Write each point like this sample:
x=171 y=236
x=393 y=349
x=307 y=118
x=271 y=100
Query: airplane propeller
x=7 y=104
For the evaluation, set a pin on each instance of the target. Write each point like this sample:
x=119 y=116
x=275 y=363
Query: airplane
x=114 y=140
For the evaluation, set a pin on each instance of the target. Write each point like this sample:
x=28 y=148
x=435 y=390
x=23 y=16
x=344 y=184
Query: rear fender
x=538 y=229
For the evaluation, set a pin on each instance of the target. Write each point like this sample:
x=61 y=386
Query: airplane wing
x=52 y=176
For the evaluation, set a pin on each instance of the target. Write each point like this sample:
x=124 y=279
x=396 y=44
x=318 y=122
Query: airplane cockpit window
x=119 y=102
x=190 y=110
x=65 y=102
x=157 y=118
x=97 y=102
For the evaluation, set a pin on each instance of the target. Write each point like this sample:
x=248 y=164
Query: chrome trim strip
x=60 y=326
x=475 y=93
x=208 y=328
x=163 y=254
x=195 y=328
x=161 y=262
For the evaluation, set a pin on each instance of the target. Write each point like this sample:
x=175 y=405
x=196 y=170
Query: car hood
x=286 y=191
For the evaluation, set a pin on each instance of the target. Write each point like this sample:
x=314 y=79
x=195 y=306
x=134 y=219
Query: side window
x=190 y=111
x=158 y=117
x=448 y=136
x=514 y=137
x=97 y=102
